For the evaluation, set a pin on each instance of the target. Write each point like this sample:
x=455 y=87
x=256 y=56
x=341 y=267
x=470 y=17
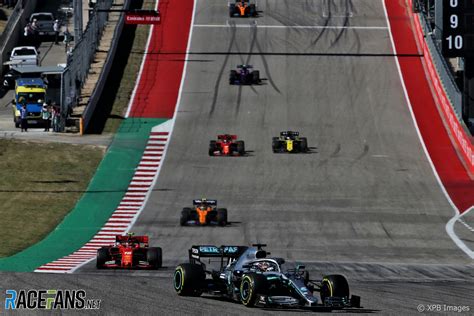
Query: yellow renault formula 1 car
x=289 y=142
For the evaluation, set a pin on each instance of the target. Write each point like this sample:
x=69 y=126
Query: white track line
x=119 y=222
x=138 y=80
x=309 y=27
x=450 y=224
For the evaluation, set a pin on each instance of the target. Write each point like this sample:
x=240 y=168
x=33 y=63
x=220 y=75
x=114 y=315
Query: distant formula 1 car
x=290 y=142
x=203 y=212
x=244 y=75
x=226 y=145
x=247 y=275
x=130 y=252
x=242 y=8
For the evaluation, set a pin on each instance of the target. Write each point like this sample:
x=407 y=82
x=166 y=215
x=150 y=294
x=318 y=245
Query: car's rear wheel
x=276 y=145
x=334 y=285
x=253 y=10
x=241 y=147
x=102 y=257
x=222 y=217
x=304 y=144
x=232 y=77
x=212 y=147
x=185 y=216
x=231 y=9
x=189 y=279
x=251 y=286
x=154 y=257
x=256 y=77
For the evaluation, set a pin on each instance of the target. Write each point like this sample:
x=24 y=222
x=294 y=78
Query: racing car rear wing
x=201 y=201
x=209 y=251
x=133 y=239
x=224 y=136
x=289 y=133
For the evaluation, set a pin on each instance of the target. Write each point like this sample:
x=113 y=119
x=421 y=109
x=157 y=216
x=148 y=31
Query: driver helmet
x=203 y=205
x=263 y=266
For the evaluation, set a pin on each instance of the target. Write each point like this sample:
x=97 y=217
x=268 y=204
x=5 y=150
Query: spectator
x=56 y=31
x=23 y=118
x=56 y=118
x=34 y=27
x=46 y=116
x=67 y=39
x=26 y=30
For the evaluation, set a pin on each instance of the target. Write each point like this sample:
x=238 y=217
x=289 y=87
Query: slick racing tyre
x=251 y=286
x=231 y=9
x=189 y=279
x=241 y=147
x=102 y=257
x=212 y=147
x=185 y=216
x=256 y=77
x=222 y=217
x=276 y=145
x=253 y=10
x=304 y=144
x=334 y=285
x=154 y=257
x=232 y=77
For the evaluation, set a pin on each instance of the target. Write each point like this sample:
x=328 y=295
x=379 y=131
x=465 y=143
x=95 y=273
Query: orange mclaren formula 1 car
x=204 y=212
x=129 y=252
x=242 y=8
x=226 y=145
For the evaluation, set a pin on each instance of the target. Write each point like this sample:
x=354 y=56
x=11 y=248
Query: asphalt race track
x=364 y=202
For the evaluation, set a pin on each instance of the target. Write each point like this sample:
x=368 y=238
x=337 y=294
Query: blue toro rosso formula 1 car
x=248 y=275
x=244 y=75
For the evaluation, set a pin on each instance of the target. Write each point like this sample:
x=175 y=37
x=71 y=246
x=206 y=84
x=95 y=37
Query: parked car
x=24 y=56
x=44 y=23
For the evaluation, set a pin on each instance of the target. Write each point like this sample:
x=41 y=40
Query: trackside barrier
x=14 y=29
x=98 y=89
x=452 y=114
x=80 y=59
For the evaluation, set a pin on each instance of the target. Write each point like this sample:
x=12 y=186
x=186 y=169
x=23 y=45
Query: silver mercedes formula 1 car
x=248 y=275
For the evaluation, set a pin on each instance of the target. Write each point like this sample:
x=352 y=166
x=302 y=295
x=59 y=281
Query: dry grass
x=40 y=183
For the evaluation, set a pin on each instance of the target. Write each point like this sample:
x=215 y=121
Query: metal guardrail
x=80 y=59
x=444 y=71
x=94 y=99
x=14 y=28
x=11 y=22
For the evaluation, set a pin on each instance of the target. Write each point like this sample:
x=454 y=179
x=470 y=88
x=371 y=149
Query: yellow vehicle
x=290 y=142
x=31 y=92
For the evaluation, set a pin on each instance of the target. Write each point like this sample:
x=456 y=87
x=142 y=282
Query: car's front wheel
x=102 y=257
x=251 y=286
x=334 y=285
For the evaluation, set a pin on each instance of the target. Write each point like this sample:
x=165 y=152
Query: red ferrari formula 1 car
x=242 y=8
x=226 y=145
x=129 y=252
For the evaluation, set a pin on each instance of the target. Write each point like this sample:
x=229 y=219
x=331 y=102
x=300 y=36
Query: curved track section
x=364 y=202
